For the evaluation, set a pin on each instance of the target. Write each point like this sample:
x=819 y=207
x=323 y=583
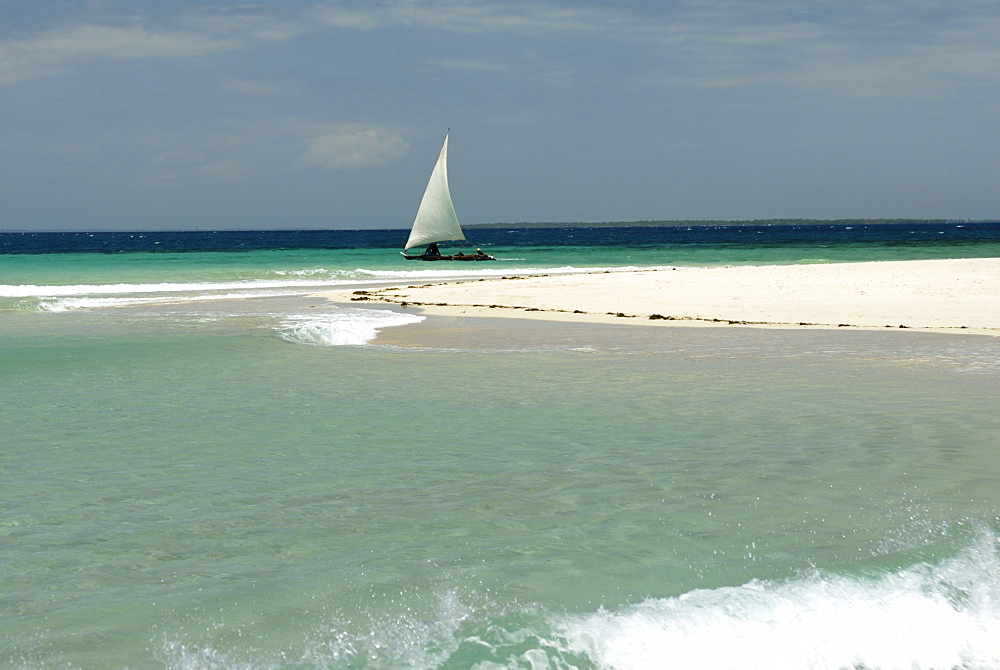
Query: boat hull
x=462 y=257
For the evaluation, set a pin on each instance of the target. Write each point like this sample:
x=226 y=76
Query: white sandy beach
x=941 y=295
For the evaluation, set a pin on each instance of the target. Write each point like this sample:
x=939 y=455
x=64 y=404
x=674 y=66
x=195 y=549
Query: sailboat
x=436 y=220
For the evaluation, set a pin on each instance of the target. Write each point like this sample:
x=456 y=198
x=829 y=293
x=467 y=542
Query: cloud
x=60 y=50
x=468 y=18
x=881 y=48
x=250 y=26
x=259 y=87
x=469 y=64
x=180 y=163
x=224 y=170
x=856 y=48
x=199 y=34
x=354 y=147
x=820 y=58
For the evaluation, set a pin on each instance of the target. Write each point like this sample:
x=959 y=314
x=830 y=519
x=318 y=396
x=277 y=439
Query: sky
x=157 y=114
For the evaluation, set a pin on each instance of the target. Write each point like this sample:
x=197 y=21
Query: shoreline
x=952 y=295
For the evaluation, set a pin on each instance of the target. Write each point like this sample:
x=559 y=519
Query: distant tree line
x=754 y=222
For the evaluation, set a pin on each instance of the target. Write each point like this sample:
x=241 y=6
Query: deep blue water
x=859 y=235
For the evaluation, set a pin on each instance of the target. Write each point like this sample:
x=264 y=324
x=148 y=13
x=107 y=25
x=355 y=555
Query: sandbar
x=948 y=295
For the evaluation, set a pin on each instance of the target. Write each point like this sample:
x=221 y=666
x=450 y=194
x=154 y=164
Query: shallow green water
x=193 y=491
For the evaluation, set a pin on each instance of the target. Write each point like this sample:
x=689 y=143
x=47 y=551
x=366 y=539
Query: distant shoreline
x=725 y=223
x=545 y=224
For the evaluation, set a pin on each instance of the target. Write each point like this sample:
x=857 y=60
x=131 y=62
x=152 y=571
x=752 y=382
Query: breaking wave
x=70 y=304
x=940 y=616
x=29 y=290
x=346 y=327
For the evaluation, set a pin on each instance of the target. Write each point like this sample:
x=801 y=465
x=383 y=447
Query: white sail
x=436 y=220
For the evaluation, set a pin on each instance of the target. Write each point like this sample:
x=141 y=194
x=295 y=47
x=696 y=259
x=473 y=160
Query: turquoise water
x=209 y=483
x=73 y=280
x=300 y=259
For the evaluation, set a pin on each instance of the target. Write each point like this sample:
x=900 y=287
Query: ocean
x=204 y=467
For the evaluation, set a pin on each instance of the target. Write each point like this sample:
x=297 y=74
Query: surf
x=931 y=614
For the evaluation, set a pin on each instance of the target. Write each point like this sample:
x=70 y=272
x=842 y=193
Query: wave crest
x=346 y=327
x=944 y=615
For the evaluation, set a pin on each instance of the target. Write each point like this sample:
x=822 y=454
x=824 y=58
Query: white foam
x=58 y=291
x=299 y=280
x=69 y=304
x=400 y=642
x=345 y=327
x=922 y=617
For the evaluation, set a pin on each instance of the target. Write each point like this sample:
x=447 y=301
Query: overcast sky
x=154 y=114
